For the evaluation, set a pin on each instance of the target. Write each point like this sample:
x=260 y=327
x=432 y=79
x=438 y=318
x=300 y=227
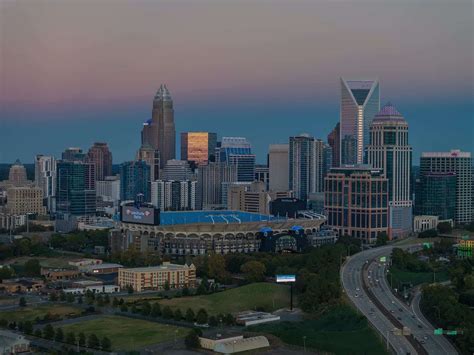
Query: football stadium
x=220 y=231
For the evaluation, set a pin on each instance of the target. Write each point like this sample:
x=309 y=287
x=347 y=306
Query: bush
x=59 y=335
x=48 y=332
x=190 y=315
x=106 y=344
x=82 y=339
x=167 y=312
x=70 y=338
x=38 y=333
x=430 y=233
x=444 y=228
x=93 y=341
x=178 y=315
x=192 y=340
x=213 y=321
x=156 y=310
x=201 y=317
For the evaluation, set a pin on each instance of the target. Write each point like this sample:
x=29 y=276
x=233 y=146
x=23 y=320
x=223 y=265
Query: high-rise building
x=75 y=188
x=210 y=180
x=306 y=165
x=100 y=155
x=45 y=178
x=334 y=140
x=24 y=200
x=174 y=195
x=151 y=156
x=278 y=166
x=389 y=151
x=108 y=190
x=262 y=174
x=135 y=181
x=237 y=151
x=356 y=202
x=160 y=132
x=436 y=195
x=198 y=147
x=177 y=170
x=459 y=163
x=17 y=174
x=360 y=102
x=327 y=159
x=73 y=154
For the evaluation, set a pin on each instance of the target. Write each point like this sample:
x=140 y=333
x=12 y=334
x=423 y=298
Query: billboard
x=140 y=215
x=285 y=278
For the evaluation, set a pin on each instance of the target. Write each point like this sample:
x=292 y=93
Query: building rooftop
x=164 y=266
x=388 y=113
x=214 y=217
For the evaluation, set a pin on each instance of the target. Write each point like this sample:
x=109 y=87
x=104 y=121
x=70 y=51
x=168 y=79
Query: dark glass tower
x=135 y=181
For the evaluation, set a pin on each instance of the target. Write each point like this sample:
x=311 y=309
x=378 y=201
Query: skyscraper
x=45 y=178
x=360 y=102
x=356 y=202
x=17 y=174
x=178 y=170
x=210 y=180
x=75 y=188
x=160 y=132
x=237 y=151
x=151 y=156
x=100 y=155
x=73 y=154
x=334 y=140
x=389 y=151
x=278 y=166
x=306 y=165
x=198 y=147
x=436 y=195
x=135 y=181
x=174 y=195
x=459 y=163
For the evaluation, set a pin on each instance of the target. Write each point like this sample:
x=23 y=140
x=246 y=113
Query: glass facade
x=135 y=180
x=198 y=147
x=437 y=195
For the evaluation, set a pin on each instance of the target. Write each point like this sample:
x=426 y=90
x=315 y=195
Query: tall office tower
x=334 y=140
x=459 y=163
x=306 y=166
x=389 y=151
x=360 y=102
x=17 y=174
x=135 y=181
x=75 y=188
x=436 y=195
x=210 y=180
x=356 y=202
x=177 y=170
x=262 y=174
x=100 y=155
x=24 y=200
x=151 y=156
x=198 y=147
x=327 y=159
x=159 y=132
x=278 y=166
x=108 y=190
x=45 y=178
x=174 y=195
x=73 y=154
x=237 y=151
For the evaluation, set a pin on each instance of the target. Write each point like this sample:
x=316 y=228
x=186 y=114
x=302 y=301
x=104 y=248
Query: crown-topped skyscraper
x=160 y=132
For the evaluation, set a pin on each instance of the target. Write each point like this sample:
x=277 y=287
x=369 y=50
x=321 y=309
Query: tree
x=3 y=323
x=134 y=309
x=6 y=272
x=106 y=299
x=201 y=317
x=130 y=289
x=48 y=331
x=70 y=298
x=22 y=302
x=79 y=300
x=186 y=291
x=59 y=335
x=32 y=268
x=178 y=315
x=167 y=312
x=28 y=327
x=192 y=340
x=93 y=341
x=124 y=308
x=216 y=268
x=146 y=308
x=156 y=310
x=82 y=339
x=70 y=338
x=115 y=302
x=254 y=271
x=53 y=297
x=106 y=344
x=444 y=228
x=38 y=333
x=229 y=319
x=62 y=296
x=190 y=315
x=430 y=233
x=167 y=285
x=213 y=321
x=382 y=239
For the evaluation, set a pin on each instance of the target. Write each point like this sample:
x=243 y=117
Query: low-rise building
x=156 y=277
x=248 y=318
x=80 y=263
x=423 y=223
x=93 y=289
x=13 y=343
x=22 y=285
x=233 y=344
x=54 y=274
x=104 y=268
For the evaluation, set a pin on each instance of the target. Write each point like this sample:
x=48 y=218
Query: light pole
x=304 y=343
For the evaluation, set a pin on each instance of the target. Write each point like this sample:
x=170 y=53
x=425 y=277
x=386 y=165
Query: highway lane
x=353 y=276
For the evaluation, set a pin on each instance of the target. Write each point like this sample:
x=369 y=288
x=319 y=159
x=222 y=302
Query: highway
x=364 y=281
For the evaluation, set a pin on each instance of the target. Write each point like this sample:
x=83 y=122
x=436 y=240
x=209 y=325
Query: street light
x=304 y=343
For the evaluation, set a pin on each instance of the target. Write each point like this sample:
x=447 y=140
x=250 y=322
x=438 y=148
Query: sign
x=285 y=278
x=427 y=245
x=141 y=215
x=383 y=259
x=438 y=331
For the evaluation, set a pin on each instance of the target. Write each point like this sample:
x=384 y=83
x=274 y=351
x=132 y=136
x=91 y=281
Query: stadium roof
x=214 y=217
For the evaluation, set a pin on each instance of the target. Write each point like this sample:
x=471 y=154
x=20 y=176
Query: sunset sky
x=75 y=72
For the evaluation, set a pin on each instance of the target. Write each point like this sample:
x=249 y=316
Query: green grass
x=415 y=278
x=31 y=312
x=339 y=331
x=127 y=334
x=413 y=241
x=268 y=296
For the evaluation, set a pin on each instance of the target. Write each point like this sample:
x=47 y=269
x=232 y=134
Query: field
x=31 y=312
x=127 y=334
x=268 y=296
x=415 y=278
x=54 y=262
x=340 y=331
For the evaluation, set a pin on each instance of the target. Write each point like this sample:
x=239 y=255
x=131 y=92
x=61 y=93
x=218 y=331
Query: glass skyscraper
x=237 y=151
x=135 y=181
x=436 y=195
x=360 y=102
x=198 y=147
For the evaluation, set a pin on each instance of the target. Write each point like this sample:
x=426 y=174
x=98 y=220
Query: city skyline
x=51 y=100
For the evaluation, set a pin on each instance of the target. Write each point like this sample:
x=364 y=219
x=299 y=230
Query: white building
x=174 y=195
x=45 y=178
x=278 y=165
